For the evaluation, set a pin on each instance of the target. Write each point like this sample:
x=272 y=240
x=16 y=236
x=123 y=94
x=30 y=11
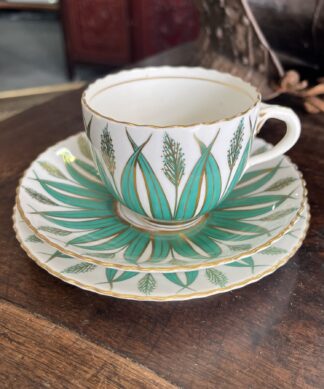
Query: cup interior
x=170 y=96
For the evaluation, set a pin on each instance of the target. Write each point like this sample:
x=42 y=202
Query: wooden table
x=53 y=335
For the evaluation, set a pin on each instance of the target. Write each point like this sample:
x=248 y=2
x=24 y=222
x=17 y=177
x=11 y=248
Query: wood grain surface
x=267 y=335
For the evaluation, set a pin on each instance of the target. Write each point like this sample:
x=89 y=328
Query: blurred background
x=50 y=42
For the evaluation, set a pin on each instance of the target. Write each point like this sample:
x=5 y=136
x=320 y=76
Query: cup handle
x=288 y=116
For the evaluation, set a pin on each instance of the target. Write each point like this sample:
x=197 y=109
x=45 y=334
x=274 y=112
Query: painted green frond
x=112 y=276
x=136 y=248
x=239 y=170
x=209 y=246
x=279 y=214
x=174 y=278
x=216 y=277
x=281 y=184
x=54 y=230
x=147 y=284
x=84 y=224
x=234 y=150
x=159 y=204
x=51 y=169
x=81 y=179
x=80 y=213
x=185 y=249
x=84 y=147
x=108 y=151
x=39 y=197
x=160 y=249
x=105 y=180
x=76 y=190
x=255 y=185
x=173 y=160
x=213 y=181
x=191 y=193
x=90 y=169
x=71 y=200
x=273 y=250
x=128 y=181
x=240 y=226
x=121 y=239
x=245 y=262
x=58 y=254
x=33 y=239
x=82 y=267
x=98 y=234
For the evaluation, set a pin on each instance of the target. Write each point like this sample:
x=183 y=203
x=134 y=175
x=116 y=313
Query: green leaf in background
x=279 y=214
x=146 y=284
x=84 y=147
x=280 y=184
x=39 y=197
x=58 y=254
x=51 y=169
x=33 y=239
x=54 y=230
x=273 y=250
x=159 y=204
x=216 y=277
x=190 y=278
x=82 y=267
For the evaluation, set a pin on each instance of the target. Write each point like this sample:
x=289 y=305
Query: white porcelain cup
x=170 y=143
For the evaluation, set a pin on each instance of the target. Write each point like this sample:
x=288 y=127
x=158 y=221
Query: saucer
x=63 y=201
x=161 y=286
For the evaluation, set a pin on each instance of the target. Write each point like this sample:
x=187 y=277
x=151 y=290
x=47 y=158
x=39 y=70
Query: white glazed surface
x=189 y=105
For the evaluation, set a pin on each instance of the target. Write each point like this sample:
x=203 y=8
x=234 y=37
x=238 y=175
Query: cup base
x=147 y=224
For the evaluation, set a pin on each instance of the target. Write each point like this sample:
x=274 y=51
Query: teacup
x=170 y=143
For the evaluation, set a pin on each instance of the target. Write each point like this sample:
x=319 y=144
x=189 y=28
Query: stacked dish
x=95 y=225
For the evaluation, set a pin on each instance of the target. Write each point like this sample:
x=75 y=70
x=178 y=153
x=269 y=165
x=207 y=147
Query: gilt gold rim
x=255 y=101
x=173 y=297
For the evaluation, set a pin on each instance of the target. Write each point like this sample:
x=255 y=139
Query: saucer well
x=161 y=286
x=63 y=201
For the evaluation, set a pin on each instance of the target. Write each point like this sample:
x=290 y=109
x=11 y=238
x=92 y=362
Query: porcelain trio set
x=168 y=195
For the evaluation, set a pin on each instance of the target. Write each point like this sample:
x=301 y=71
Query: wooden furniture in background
x=116 y=32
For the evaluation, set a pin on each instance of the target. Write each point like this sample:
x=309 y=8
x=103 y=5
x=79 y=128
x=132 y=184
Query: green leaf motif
x=58 y=254
x=245 y=262
x=84 y=147
x=216 y=277
x=173 y=160
x=82 y=267
x=146 y=284
x=112 y=276
x=280 y=184
x=51 y=169
x=239 y=247
x=175 y=279
x=55 y=231
x=233 y=152
x=279 y=214
x=33 y=239
x=191 y=192
x=39 y=197
x=273 y=250
x=108 y=151
x=159 y=204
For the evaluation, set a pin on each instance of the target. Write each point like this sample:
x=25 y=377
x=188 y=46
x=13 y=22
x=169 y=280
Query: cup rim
x=93 y=85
